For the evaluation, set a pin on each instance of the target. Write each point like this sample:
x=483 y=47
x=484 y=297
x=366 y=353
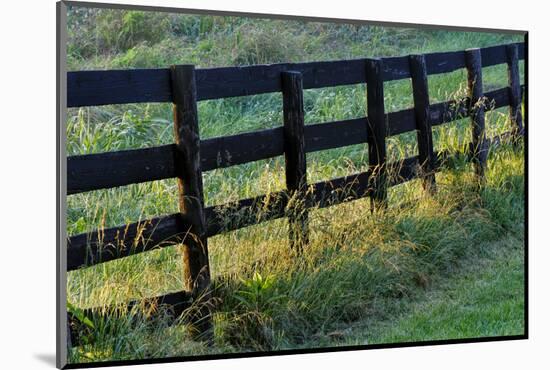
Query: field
x=429 y=267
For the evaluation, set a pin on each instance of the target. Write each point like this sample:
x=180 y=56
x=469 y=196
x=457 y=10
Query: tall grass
x=357 y=265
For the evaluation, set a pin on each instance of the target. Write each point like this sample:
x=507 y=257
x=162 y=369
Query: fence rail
x=111 y=169
x=189 y=156
x=86 y=88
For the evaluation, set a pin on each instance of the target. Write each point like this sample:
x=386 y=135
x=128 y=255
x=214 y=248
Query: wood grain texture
x=421 y=99
x=494 y=55
x=227 y=151
x=110 y=244
x=186 y=131
x=515 y=93
x=444 y=62
x=196 y=267
x=106 y=170
x=104 y=245
x=477 y=111
x=295 y=157
x=376 y=131
x=245 y=212
x=336 y=134
x=111 y=169
x=92 y=88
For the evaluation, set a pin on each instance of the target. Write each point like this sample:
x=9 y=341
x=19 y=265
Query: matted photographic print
x=245 y=185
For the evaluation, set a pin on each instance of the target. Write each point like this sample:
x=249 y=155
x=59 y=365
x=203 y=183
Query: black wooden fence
x=183 y=85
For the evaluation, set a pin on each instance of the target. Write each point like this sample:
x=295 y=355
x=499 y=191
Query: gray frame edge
x=61 y=186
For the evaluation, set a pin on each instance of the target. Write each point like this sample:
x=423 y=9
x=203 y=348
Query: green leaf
x=79 y=314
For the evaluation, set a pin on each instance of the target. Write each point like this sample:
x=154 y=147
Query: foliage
x=99 y=31
x=80 y=315
x=359 y=269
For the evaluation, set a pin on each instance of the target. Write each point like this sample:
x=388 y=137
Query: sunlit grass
x=358 y=267
x=355 y=266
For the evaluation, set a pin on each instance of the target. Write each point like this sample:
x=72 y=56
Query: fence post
x=477 y=112
x=295 y=157
x=514 y=91
x=376 y=133
x=196 y=267
x=426 y=157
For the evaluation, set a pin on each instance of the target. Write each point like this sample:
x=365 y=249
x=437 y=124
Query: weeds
x=356 y=267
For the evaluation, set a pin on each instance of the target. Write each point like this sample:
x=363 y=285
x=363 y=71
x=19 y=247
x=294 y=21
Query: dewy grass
x=360 y=271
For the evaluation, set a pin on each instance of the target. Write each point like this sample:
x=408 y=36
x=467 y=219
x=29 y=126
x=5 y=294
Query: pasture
x=365 y=277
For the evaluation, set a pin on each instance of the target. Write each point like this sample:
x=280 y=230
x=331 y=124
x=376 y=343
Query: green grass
x=484 y=298
x=364 y=277
x=362 y=268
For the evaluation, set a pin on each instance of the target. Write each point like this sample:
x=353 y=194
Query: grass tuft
x=428 y=267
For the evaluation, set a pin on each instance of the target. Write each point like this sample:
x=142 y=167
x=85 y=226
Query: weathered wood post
x=514 y=91
x=295 y=157
x=196 y=269
x=479 y=148
x=426 y=157
x=376 y=133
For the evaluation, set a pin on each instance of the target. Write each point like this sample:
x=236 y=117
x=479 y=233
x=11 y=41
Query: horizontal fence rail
x=105 y=245
x=86 y=88
x=111 y=169
x=189 y=156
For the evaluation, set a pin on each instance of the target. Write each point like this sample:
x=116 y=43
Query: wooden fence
x=189 y=157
